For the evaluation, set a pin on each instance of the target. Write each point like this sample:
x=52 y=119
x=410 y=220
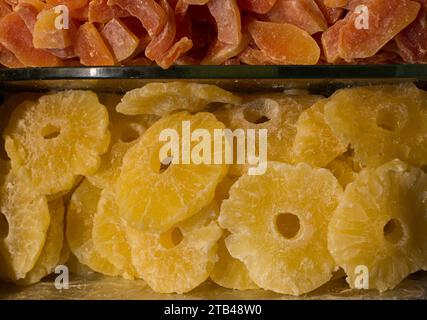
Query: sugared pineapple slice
x=381 y=123
x=229 y=272
x=279 y=222
x=24 y=221
x=164 y=98
x=80 y=214
x=315 y=143
x=109 y=235
x=125 y=131
x=52 y=251
x=58 y=138
x=278 y=113
x=381 y=225
x=154 y=199
x=181 y=258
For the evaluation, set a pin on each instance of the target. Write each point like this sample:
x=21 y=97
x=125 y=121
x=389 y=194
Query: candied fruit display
x=181 y=258
x=278 y=224
x=144 y=194
x=394 y=124
x=380 y=225
x=153 y=191
x=211 y=32
x=65 y=132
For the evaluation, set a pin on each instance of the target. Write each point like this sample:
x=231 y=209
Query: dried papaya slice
x=330 y=40
x=335 y=3
x=285 y=42
x=28 y=13
x=219 y=52
x=101 y=12
x=175 y=52
x=91 y=48
x=149 y=12
x=16 y=37
x=228 y=21
x=164 y=40
x=70 y=4
x=121 y=40
x=164 y=98
x=47 y=36
x=4 y=9
x=8 y=59
x=304 y=14
x=386 y=19
x=332 y=14
x=412 y=42
x=253 y=56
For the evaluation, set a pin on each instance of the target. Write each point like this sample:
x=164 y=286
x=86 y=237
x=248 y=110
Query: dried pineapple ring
x=152 y=199
x=109 y=235
x=229 y=272
x=53 y=248
x=279 y=223
x=315 y=143
x=65 y=132
x=24 y=222
x=164 y=98
x=181 y=258
x=125 y=131
x=81 y=211
x=278 y=113
x=381 y=123
x=381 y=224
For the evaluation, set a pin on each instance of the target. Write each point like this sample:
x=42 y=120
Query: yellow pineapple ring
x=52 y=251
x=109 y=235
x=278 y=113
x=125 y=131
x=24 y=222
x=229 y=272
x=315 y=142
x=381 y=123
x=381 y=225
x=181 y=258
x=58 y=138
x=279 y=222
x=80 y=214
x=164 y=98
x=153 y=199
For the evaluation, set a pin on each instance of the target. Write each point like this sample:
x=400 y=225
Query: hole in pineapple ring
x=129 y=134
x=4 y=226
x=50 y=131
x=393 y=231
x=288 y=225
x=255 y=116
x=387 y=120
x=171 y=238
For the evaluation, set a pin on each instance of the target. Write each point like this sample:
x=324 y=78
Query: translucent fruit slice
x=153 y=194
x=279 y=222
x=65 y=132
x=277 y=113
x=24 y=223
x=229 y=272
x=52 y=251
x=80 y=214
x=285 y=43
x=379 y=226
x=315 y=143
x=381 y=123
x=109 y=235
x=125 y=131
x=181 y=258
x=164 y=98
